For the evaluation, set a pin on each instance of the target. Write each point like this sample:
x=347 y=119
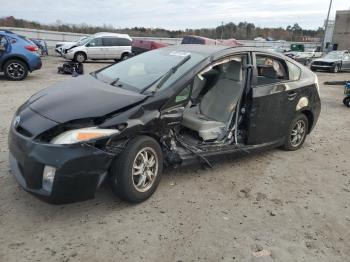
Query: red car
x=199 y=40
x=140 y=46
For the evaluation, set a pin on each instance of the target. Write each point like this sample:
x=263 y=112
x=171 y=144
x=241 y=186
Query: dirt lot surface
x=295 y=206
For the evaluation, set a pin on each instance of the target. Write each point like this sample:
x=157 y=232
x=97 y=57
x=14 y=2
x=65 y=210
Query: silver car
x=100 y=46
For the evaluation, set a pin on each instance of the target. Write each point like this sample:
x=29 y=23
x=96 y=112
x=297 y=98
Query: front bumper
x=69 y=55
x=80 y=168
x=323 y=67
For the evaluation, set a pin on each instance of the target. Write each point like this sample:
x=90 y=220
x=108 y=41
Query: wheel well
x=80 y=52
x=15 y=58
x=310 y=118
x=125 y=53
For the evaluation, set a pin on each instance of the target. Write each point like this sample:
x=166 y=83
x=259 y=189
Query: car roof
x=212 y=50
x=110 y=34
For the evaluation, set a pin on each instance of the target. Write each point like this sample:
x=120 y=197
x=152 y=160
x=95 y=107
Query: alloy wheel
x=15 y=70
x=298 y=133
x=80 y=58
x=145 y=169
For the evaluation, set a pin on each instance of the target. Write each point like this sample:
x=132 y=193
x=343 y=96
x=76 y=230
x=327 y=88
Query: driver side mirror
x=87 y=45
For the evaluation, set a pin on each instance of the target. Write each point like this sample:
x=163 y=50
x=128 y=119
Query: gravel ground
x=293 y=206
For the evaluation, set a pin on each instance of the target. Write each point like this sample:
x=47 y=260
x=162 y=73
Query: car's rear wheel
x=125 y=56
x=15 y=70
x=80 y=57
x=136 y=173
x=297 y=133
x=346 y=101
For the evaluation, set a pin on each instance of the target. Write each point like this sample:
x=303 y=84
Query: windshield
x=142 y=71
x=334 y=55
x=84 y=40
x=80 y=40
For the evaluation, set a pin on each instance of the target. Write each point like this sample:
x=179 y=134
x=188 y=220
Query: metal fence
x=52 y=37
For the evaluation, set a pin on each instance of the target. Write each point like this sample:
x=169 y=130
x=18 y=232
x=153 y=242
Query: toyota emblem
x=16 y=121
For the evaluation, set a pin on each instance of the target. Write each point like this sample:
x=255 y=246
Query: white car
x=61 y=46
x=101 y=46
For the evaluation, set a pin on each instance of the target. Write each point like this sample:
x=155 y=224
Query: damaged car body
x=173 y=106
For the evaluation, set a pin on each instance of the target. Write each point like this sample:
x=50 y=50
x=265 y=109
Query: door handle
x=292 y=95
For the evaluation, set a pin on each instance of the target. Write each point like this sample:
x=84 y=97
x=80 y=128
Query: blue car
x=18 y=56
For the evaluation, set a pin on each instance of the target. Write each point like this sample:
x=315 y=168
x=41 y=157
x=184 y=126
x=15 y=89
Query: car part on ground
x=174 y=105
x=18 y=56
x=71 y=68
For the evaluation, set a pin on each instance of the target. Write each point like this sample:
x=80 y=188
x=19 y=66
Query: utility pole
x=222 y=30
x=326 y=26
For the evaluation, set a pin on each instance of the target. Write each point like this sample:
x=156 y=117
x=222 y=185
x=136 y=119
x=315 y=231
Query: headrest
x=233 y=70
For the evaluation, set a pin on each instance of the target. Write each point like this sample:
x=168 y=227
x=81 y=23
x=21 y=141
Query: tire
x=15 y=70
x=124 y=56
x=80 y=57
x=335 y=69
x=125 y=182
x=296 y=134
x=346 y=101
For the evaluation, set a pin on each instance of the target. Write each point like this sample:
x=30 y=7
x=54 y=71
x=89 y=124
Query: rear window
x=110 y=41
x=114 y=41
x=123 y=42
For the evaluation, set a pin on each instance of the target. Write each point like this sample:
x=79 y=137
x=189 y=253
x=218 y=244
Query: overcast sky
x=174 y=14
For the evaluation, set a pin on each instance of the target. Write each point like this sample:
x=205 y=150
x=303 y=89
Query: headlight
x=83 y=134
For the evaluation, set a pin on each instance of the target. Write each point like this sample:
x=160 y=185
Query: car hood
x=81 y=97
x=327 y=60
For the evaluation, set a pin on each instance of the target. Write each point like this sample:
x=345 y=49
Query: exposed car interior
x=215 y=93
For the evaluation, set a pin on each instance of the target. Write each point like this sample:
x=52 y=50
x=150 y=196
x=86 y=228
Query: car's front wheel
x=15 y=70
x=297 y=133
x=80 y=57
x=136 y=173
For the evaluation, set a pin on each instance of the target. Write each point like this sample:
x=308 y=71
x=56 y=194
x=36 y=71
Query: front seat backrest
x=198 y=84
x=219 y=102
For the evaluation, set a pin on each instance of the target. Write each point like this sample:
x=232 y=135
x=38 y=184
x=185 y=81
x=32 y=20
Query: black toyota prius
x=171 y=106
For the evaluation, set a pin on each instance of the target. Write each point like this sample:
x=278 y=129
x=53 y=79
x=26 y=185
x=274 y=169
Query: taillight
x=31 y=48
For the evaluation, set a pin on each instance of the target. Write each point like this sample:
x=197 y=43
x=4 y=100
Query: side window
x=123 y=42
x=270 y=70
x=293 y=71
x=110 y=41
x=3 y=43
x=95 y=42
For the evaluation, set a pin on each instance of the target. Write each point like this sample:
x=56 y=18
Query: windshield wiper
x=167 y=75
x=114 y=81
